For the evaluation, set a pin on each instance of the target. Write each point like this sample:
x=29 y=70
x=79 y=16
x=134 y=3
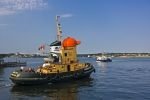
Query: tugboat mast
x=59 y=30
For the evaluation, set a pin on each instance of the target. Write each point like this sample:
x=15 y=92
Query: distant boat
x=1 y=62
x=103 y=59
x=89 y=56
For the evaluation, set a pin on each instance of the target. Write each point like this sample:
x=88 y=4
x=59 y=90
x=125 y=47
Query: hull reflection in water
x=103 y=66
x=59 y=91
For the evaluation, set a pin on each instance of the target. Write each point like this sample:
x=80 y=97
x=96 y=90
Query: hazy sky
x=101 y=25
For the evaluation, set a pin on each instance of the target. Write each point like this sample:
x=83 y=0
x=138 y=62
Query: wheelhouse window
x=65 y=54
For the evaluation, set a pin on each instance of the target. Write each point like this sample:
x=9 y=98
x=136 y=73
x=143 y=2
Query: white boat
x=89 y=56
x=103 y=59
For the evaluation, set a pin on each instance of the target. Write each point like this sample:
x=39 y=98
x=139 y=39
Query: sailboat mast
x=59 y=31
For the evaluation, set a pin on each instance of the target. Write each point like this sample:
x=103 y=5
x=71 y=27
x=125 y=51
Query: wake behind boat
x=61 y=65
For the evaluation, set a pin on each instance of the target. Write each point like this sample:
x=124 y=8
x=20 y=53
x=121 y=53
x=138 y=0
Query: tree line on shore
x=83 y=55
x=117 y=54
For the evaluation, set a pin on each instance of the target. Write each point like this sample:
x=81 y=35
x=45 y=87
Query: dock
x=12 y=64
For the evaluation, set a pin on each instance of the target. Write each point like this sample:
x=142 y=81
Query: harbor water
x=121 y=79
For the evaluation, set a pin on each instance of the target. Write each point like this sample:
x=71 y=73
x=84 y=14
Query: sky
x=101 y=25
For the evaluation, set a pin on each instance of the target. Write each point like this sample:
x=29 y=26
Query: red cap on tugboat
x=70 y=42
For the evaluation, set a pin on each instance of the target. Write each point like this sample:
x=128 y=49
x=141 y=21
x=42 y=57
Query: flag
x=42 y=47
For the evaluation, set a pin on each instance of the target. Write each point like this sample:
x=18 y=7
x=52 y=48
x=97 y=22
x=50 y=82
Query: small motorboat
x=103 y=59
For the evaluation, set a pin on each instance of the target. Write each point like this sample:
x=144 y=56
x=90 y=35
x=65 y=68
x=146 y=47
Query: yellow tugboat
x=61 y=65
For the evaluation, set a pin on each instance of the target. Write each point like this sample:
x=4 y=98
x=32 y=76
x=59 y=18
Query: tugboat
x=61 y=65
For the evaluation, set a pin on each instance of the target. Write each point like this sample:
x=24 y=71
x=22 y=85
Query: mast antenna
x=59 y=30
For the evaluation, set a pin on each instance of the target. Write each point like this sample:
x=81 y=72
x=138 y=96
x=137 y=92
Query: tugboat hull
x=32 y=78
x=107 y=60
x=29 y=81
x=27 y=78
